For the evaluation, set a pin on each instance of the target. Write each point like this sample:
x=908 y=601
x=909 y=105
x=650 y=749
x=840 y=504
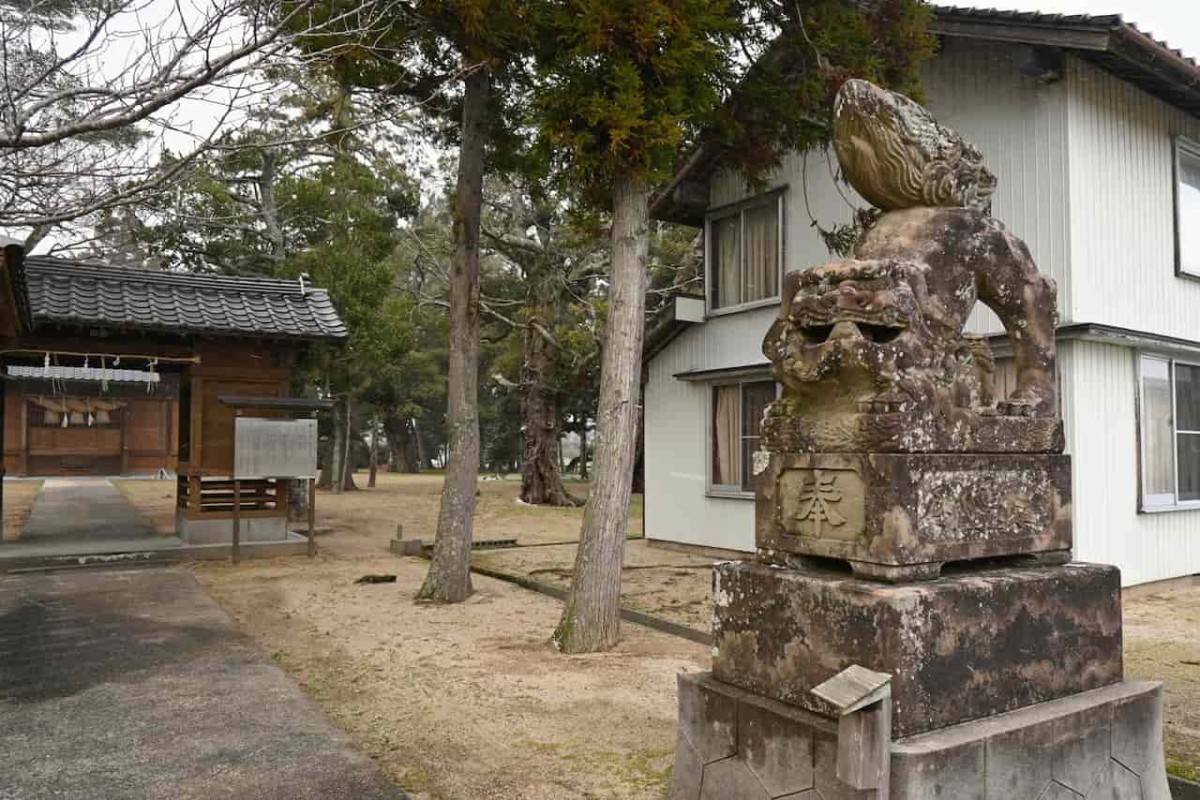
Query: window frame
x=1181 y=145
x=740 y=208
x=1148 y=504
x=729 y=490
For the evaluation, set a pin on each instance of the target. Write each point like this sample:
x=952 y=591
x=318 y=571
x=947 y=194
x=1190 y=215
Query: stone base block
x=1104 y=744
x=220 y=531
x=902 y=516
x=406 y=547
x=959 y=648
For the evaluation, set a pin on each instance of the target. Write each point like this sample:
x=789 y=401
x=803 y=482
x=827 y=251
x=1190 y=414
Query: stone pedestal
x=1104 y=744
x=958 y=648
x=220 y=531
x=902 y=516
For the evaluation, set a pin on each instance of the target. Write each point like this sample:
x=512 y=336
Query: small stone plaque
x=822 y=503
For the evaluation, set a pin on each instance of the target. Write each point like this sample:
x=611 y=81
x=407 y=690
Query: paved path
x=83 y=509
x=132 y=683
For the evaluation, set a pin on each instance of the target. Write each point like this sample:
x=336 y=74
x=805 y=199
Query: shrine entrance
x=129 y=372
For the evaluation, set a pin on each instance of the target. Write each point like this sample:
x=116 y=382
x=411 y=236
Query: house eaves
x=1105 y=40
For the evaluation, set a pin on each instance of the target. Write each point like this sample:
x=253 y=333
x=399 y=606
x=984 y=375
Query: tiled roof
x=1099 y=22
x=73 y=293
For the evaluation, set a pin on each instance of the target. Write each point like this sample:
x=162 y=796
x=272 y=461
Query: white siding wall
x=1019 y=124
x=1122 y=206
x=1099 y=397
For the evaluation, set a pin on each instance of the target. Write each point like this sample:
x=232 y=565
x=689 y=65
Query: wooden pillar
x=312 y=517
x=237 y=520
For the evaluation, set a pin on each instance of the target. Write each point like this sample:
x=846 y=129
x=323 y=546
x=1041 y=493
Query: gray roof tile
x=74 y=293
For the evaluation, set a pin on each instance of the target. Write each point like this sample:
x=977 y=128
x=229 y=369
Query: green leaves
x=622 y=83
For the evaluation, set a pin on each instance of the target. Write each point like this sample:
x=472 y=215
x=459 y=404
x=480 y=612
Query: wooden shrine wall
x=258 y=370
x=141 y=437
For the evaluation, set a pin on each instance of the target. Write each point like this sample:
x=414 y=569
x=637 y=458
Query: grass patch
x=1189 y=772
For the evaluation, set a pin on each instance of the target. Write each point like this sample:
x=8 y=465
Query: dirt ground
x=155 y=499
x=473 y=702
x=19 y=496
x=1162 y=643
x=674 y=586
x=467 y=701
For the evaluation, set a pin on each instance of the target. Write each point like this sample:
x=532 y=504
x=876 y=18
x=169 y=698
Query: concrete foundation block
x=220 y=531
x=1041 y=752
x=406 y=547
x=752 y=747
x=961 y=647
x=1080 y=757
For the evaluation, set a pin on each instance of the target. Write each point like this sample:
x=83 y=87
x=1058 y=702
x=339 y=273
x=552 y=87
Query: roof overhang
x=1107 y=41
x=14 y=296
x=261 y=403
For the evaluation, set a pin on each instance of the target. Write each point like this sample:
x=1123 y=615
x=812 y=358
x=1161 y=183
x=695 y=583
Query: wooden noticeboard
x=275 y=448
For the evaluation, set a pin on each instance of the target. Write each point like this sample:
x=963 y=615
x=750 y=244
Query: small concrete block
x=957 y=772
x=687 y=772
x=708 y=717
x=810 y=794
x=825 y=776
x=731 y=779
x=1056 y=791
x=1082 y=744
x=1019 y=762
x=1116 y=783
x=778 y=750
x=406 y=547
x=1137 y=730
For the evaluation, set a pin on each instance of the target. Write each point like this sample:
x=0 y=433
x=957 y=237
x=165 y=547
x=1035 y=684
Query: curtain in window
x=725 y=271
x=726 y=436
x=1158 y=472
x=1187 y=418
x=761 y=269
x=1188 y=224
x=755 y=399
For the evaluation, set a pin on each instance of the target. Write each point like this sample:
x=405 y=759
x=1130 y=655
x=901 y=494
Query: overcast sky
x=1175 y=21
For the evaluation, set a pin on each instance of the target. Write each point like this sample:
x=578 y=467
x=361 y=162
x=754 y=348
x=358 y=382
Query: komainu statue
x=871 y=350
x=889 y=448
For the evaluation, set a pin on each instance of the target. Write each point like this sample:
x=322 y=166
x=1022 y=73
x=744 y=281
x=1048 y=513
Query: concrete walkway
x=83 y=510
x=134 y=684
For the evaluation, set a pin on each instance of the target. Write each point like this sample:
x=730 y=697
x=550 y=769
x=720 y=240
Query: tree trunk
x=338 y=446
x=639 y=460
x=541 y=474
x=347 y=482
x=592 y=615
x=449 y=576
x=373 y=468
x=583 y=452
x=402 y=439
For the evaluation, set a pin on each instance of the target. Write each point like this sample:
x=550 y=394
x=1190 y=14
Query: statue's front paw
x=1016 y=408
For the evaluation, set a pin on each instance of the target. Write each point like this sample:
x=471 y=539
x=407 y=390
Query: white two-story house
x=1093 y=129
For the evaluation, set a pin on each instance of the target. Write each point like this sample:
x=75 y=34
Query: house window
x=1187 y=207
x=737 y=411
x=745 y=252
x=1170 y=432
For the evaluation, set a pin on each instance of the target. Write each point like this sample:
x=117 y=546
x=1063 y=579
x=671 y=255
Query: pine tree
x=625 y=84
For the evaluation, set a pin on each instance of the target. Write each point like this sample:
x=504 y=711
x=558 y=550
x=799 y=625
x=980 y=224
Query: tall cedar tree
x=625 y=84
x=433 y=48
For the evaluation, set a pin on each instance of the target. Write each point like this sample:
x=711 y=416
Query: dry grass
x=153 y=498
x=1162 y=643
x=470 y=701
x=19 y=496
